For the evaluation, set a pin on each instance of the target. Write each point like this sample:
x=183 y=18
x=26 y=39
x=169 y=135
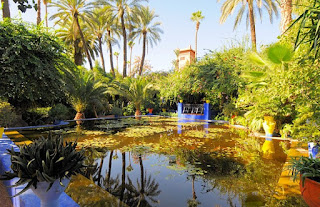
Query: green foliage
x=30 y=61
x=59 y=112
x=44 y=160
x=36 y=116
x=83 y=89
x=136 y=90
x=7 y=114
x=267 y=89
x=116 y=111
x=128 y=110
x=309 y=32
x=306 y=167
x=215 y=77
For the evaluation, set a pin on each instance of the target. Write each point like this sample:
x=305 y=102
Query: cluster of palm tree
x=86 y=26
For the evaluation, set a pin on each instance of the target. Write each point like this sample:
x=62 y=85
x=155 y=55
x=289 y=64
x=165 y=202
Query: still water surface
x=163 y=162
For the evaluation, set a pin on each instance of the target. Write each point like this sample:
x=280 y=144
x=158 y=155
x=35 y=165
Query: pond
x=166 y=162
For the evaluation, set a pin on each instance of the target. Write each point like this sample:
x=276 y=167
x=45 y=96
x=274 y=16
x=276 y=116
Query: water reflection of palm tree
x=146 y=190
x=107 y=181
x=113 y=185
x=193 y=202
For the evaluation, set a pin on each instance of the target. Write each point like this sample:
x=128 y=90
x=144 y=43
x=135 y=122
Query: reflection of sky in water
x=191 y=145
x=175 y=186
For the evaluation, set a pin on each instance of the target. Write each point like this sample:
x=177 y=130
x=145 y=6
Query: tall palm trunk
x=123 y=180
x=194 y=196
x=101 y=53
x=141 y=175
x=196 y=41
x=111 y=54
x=5 y=9
x=286 y=14
x=77 y=52
x=124 y=34
x=252 y=26
x=143 y=52
x=109 y=170
x=99 y=171
x=83 y=41
x=39 y=12
x=117 y=63
x=46 y=10
x=130 y=60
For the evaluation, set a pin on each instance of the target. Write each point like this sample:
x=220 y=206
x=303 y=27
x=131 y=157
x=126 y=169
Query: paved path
x=4 y=196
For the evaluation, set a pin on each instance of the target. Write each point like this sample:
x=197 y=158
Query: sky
x=179 y=30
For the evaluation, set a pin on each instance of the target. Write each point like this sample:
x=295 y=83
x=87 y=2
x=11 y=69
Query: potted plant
x=149 y=104
x=308 y=170
x=46 y=166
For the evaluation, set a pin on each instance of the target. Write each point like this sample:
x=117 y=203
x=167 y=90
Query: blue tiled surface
x=28 y=199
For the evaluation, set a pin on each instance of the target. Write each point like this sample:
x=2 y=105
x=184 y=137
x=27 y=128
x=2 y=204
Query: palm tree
x=117 y=57
x=131 y=44
x=67 y=34
x=148 y=31
x=74 y=9
x=83 y=90
x=98 y=26
x=46 y=2
x=123 y=8
x=135 y=90
x=39 y=12
x=197 y=17
x=229 y=6
x=5 y=9
x=286 y=14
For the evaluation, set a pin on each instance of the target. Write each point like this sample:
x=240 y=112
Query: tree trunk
x=101 y=54
x=5 y=9
x=138 y=113
x=111 y=54
x=141 y=174
x=83 y=41
x=39 y=12
x=252 y=26
x=123 y=179
x=130 y=60
x=78 y=116
x=109 y=170
x=77 y=52
x=194 y=196
x=196 y=41
x=143 y=52
x=286 y=14
x=46 y=10
x=124 y=34
x=99 y=171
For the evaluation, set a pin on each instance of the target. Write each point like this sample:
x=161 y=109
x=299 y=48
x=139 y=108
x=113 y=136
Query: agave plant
x=44 y=160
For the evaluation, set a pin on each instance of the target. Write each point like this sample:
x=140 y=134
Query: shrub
x=31 y=60
x=116 y=111
x=59 y=112
x=36 y=116
x=7 y=114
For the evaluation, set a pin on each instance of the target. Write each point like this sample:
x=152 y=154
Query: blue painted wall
x=206 y=113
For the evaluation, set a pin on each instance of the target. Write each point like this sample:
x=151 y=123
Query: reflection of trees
x=193 y=202
x=144 y=191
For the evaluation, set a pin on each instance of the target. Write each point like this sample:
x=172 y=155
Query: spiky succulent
x=44 y=160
